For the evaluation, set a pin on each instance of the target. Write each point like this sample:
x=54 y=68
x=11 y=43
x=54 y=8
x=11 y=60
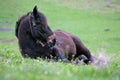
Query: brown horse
x=36 y=39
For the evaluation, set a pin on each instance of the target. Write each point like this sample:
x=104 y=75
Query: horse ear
x=35 y=11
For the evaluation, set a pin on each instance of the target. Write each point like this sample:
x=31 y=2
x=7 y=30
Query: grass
x=104 y=6
x=97 y=29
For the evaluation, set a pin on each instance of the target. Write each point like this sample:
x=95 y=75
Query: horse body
x=36 y=39
x=64 y=44
x=71 y=45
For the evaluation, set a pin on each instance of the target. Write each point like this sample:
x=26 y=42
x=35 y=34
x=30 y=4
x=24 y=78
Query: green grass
x=88 y=24
x=104 y=6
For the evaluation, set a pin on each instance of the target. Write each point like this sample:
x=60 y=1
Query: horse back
x=65 y=42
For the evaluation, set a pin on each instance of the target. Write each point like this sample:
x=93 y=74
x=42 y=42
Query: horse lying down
x=36 y=39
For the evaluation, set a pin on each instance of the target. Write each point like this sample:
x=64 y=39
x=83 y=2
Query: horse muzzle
x=51 y=40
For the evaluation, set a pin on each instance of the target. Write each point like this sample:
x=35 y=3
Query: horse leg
x=81 y=50
x=28 y=53
x=59 y=53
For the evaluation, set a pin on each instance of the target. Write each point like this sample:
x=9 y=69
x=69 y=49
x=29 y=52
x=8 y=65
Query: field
x=96 y=23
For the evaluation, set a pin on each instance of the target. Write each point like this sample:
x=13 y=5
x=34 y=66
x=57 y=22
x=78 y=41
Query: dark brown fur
x=70 y=44
x=65 y=46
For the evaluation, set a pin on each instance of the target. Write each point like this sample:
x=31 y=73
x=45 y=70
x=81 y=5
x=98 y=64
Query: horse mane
x=18 y=23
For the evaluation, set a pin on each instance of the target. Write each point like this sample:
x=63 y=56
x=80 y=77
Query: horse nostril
x=51 y=38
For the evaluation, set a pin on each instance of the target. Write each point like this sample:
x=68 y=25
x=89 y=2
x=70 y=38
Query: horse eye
x=37 y=23
x=42 y=31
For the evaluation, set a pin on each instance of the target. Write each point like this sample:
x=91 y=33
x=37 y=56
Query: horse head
x=40 y=30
